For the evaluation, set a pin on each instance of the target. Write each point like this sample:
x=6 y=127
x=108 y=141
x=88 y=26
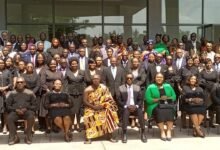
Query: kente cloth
x=100 y=122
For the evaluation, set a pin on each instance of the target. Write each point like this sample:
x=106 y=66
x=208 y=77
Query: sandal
x=88 y=141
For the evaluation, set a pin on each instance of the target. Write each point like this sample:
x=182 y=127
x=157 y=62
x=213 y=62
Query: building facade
x=131 y=18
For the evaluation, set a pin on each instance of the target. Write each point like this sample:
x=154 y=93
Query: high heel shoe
x=194 y=132
x=163 y=136
x=169 y=138
x=67 y=138
x=200 y=133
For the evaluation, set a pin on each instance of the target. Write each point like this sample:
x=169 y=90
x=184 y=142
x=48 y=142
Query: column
x=154 y=18
x=2 y=15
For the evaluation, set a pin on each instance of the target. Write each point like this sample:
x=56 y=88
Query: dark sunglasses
x=19 y=82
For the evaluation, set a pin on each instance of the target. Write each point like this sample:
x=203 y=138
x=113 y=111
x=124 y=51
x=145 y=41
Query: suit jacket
x=86 y=63
x=88 y=76
x=74 y=85
x=105 y=62
x=140 y=80
x=126 y=67
x=110 y=82
x=183 y=64
x=189 y=45
x=123 y=96
x=66 y=44
x=101 y=69
x=26 y=57
x=152 y=71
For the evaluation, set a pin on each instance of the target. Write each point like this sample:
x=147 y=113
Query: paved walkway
x=181 y=141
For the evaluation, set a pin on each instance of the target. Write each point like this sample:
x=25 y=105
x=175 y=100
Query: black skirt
x=163 y=115
x=194 y=109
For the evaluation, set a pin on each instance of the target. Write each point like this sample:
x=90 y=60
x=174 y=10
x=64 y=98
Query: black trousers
x=127 y=113
x=13 y=117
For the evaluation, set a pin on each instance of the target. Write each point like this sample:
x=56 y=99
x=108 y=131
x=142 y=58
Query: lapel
x=117 y=71
x=110 y=73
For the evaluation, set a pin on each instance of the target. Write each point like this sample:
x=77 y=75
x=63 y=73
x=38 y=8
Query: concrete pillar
x=172 y=17
x=154 y=18
x=2 y=15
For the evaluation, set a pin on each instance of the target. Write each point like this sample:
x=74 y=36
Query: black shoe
x=143 y=138
x=124 y=138
x=149 y=124
x=212 y=126
x=169 y=139
x=14 y=140
x=28 y=140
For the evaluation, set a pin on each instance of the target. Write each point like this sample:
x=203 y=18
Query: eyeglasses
x=129 y=78
x=19 y=82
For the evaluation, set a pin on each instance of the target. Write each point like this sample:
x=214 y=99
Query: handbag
x=193 y=103
x=167 y=104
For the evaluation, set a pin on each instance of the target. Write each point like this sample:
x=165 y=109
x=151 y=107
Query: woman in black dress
x=39 y=69
x=47 y=78
x=58 y=105
x=32 y=80
x=75 y=85
x=91 y=71
x=171 y=75
x=193 y=103
x=215 y=95
x=209 y=77
x=5 y=86
x=184 y=73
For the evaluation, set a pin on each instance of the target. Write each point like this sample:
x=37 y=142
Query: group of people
x=62 y=81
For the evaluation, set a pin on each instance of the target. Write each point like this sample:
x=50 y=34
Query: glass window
x=211 y=11
x=179 y=31
x=34 y=30
x=75 y=11
x=136 y=32
x=108 y=30
x=125 y=11
x=190 y=11
x=29 y=11
x=89 y=31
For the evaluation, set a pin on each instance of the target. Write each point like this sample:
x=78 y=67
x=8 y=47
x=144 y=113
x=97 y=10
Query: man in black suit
x=125 y=63
x=4 y=38
x=30 y=56
x=138 y=72
x=156 y=67
x=193 y=46
x=84 y=44
x=21 y=104
x=83 y=60
x=113 y=77
x=106 y=62
x=130 y=100
x=180 y=60
x=71 y=39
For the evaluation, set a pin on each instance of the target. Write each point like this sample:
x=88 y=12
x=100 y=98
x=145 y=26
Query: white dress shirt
x=82 y=63
x=114 y=70
x=179 y=62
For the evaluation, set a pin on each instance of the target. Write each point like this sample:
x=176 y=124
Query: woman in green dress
x=156 y=93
